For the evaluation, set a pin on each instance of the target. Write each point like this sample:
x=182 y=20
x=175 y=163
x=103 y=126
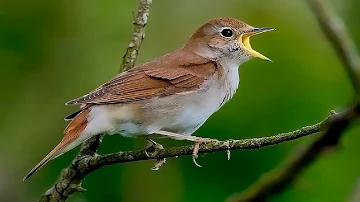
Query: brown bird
x=171 y=96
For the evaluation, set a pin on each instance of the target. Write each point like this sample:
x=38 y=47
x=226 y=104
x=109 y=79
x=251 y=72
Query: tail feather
x=72 y=133
x=43 y=162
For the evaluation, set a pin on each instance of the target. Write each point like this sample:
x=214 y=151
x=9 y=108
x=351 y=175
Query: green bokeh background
x=53 y=51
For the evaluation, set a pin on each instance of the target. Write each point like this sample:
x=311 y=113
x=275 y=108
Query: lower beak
x=244 y=41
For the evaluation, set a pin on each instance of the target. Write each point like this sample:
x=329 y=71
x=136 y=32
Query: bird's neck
x=229 y=59
x=229 y=77
x=228 y=66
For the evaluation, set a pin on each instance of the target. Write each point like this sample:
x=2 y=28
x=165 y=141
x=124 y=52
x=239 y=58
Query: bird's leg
x=198 y=141
x=152 y=145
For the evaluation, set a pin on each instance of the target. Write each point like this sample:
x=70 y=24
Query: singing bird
x=171 y=96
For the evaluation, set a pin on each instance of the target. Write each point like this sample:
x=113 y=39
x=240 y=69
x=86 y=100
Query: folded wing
x=167 y=75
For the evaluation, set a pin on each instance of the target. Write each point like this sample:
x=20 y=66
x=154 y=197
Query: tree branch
x=335 y=31
x=138 y=35
x=71 y=179
x=275 y=181
x=89 y=164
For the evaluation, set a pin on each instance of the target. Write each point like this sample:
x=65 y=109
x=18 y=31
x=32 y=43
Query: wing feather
x=167 y=75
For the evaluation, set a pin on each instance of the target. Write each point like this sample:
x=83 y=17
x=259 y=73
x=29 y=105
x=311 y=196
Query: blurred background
x=53 y=51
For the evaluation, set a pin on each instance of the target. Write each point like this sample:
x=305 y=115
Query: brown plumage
x=165 y=76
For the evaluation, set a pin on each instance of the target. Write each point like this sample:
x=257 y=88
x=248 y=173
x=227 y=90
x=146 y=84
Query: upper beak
x=244 y=41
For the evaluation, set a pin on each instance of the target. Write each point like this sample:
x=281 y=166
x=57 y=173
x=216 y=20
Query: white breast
x=185 y=113
x=232 y=80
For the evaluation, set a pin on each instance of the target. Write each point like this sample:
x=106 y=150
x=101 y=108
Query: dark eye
x=227 y=32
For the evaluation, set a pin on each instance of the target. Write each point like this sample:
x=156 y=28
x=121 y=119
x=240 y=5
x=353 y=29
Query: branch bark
x=275 y=181
x=335 y=31
x=87 y=161
x=91 y=163
x=70 y=179
x=138 y=35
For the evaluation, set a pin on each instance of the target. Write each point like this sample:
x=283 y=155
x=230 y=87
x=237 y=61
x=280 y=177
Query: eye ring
x=227 y=32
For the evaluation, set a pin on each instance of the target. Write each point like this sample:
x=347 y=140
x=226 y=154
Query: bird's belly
x=186 y=121
x=180 y=113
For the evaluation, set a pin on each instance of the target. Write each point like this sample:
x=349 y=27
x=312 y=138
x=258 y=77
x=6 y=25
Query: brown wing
x=164 y=76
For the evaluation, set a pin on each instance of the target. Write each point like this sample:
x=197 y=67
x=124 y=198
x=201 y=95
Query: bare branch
x=252 y=143
x=71 y=179
x=275 y=181
x=335 y=31
x=138 y=34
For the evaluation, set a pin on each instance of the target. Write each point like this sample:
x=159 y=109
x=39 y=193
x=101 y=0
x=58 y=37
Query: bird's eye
x=227 y=32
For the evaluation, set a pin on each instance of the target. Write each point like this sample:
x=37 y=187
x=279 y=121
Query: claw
x=153 y=146
x=146 y=153
x=195 y=153
x=227 y=144
x=197 y=140
x=194 y=160
x=158 y=164
x=155 y=168
x=156 y=147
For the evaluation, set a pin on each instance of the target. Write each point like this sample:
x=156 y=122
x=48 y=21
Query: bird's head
x=226 y=39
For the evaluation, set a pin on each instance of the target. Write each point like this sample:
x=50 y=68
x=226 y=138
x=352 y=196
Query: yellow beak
x=244 y=41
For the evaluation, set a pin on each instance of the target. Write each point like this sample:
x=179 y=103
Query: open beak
x=244 y=41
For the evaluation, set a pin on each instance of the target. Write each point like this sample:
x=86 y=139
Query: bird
x=170 y=96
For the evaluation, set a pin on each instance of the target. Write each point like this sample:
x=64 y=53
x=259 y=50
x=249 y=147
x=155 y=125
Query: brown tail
x=71 y=133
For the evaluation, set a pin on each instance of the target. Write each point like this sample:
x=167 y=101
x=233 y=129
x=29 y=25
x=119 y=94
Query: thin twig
x=71 y=179
x=275 y=181
x=335 y=31
x=138 y=35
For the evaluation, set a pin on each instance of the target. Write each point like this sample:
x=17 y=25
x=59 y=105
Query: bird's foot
x=151 y=149
x=159 y=162
x=198 y=142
